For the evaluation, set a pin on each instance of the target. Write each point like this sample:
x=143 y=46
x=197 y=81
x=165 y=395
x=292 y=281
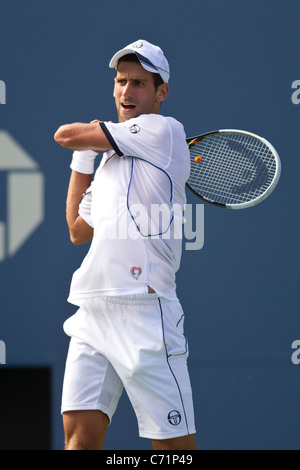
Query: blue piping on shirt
x=171 y=199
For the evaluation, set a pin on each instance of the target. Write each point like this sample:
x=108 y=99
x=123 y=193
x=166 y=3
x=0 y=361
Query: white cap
x=151 y=58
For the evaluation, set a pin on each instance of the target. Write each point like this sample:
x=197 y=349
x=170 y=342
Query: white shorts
x=135 y=341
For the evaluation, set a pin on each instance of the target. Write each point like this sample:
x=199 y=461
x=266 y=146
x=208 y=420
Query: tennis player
x=128 y=331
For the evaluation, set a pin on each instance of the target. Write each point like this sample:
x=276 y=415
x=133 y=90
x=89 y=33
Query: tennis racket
x=232 y=168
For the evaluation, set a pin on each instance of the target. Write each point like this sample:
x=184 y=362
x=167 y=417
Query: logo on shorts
x=135 y=272
x=174 y=417
x=134 y=129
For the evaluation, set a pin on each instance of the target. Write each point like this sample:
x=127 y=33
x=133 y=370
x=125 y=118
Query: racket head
x=236 y=169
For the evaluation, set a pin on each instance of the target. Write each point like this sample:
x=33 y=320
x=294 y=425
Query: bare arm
x=81 y=136
x=80 y=231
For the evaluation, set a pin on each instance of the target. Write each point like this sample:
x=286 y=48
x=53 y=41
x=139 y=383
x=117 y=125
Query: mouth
x=127 y=106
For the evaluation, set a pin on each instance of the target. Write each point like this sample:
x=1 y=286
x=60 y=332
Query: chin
x=123 y=118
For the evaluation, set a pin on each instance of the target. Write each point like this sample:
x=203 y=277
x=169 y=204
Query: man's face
x=135 y=93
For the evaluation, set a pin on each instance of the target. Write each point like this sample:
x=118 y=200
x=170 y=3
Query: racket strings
x=234 y=168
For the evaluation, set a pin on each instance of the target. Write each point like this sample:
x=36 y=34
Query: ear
x=162 y=92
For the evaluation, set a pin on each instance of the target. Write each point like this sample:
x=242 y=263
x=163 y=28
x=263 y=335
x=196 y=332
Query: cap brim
x=114 y=61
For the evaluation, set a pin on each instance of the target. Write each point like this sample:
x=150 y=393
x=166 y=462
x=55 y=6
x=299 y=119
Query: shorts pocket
x=173 y=328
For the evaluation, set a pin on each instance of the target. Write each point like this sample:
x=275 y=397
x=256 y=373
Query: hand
x=96 y=120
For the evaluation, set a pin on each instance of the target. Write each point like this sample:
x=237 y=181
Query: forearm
x=81 y=136
x=80 y=231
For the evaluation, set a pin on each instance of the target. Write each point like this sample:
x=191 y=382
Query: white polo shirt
x=135 y=205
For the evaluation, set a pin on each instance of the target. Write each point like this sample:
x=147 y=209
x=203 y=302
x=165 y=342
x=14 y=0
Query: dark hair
x=133 y=58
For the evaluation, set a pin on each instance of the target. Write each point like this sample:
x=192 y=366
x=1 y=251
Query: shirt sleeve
x=147 y=137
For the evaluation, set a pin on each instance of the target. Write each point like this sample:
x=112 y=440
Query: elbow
x=79 y=239
x=62 y=136
x=76 y=240
x=80 y=232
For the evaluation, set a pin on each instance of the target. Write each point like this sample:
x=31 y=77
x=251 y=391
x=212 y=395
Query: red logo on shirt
x=135 y=272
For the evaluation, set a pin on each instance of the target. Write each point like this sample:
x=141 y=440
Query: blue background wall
x=233 y=63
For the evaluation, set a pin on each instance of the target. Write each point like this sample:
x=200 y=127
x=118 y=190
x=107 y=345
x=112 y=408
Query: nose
x=127 y=90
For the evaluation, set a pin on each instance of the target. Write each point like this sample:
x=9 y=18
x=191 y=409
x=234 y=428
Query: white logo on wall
x=24 y=196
